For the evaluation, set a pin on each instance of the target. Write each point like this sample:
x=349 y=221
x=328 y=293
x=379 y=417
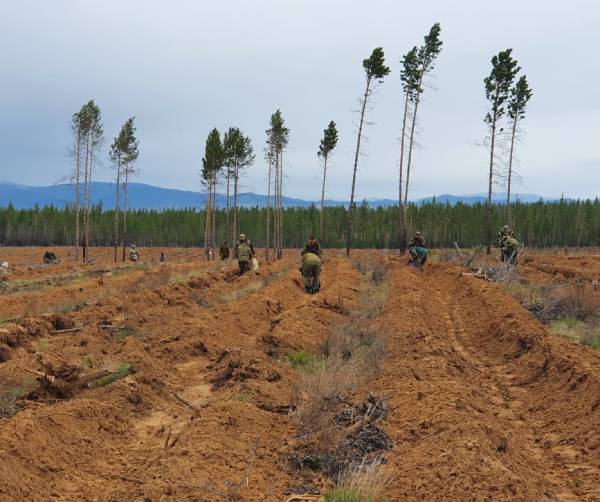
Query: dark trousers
x=244 y=266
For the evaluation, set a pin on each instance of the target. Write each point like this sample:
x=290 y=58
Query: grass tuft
x=299 y=359
x=124 y=370
x=362 y=483
x=9 y=397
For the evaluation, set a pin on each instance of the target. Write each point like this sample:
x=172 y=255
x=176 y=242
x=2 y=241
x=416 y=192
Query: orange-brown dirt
x=484 y=404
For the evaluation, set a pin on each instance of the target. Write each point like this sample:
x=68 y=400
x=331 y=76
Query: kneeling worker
x=134 y=256
x=311 y=272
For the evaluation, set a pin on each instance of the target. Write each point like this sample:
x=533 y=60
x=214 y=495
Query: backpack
x=244 y=252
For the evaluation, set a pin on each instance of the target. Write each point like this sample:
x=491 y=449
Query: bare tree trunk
x=213 y=238
x=488 y=230
x=323 y=198
x=411 y=144
x=208 y=221
x=77 y=192
x=86 y=193
x=228 y=229
x=117 y=209
x=276 y=207
x=510 y=171
x=235 y=195
x=280 y=247
x=351 y=207
x=89 y=200
x=269 y=212
x=402 y=233
x=125 y=237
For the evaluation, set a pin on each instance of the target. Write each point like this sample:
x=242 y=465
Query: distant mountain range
x=142 y=196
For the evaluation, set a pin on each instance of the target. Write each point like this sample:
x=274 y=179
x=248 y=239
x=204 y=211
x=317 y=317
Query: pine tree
x=91 y=119
x=130 y=154
x=425 y=63
x=115 y=155
x=212 y=165
x=277 y=140
x=328 y=143
x=520 y=95
x=239 y=156
x=375 y=70
x=78 y=131
x=497 y=91
x=409 y=75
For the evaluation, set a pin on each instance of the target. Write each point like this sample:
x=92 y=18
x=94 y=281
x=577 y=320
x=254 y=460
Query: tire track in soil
x=133 y=440
x=469 y=412
x=227 y=413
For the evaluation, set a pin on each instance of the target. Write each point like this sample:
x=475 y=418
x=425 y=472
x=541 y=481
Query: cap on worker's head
x=132 y=246
x=242 y=237
x=505 y=227
x=418 y=233
x=4 y=264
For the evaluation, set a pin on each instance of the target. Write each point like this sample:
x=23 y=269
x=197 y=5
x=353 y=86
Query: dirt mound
x=177 y=383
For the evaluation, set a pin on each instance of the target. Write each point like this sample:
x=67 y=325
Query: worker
x=162 y=258
x=503 y=233
x=246 y=241
x=134 y=256
x=49 y=257
x=509 y=248
x=417 y=240
x=243 y=253
x=417 y=251
x=4 y=272
x=312 y=246
x=224 y=250
x=311 y=272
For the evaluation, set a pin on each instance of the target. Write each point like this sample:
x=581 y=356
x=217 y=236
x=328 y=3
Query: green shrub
x=299 y=359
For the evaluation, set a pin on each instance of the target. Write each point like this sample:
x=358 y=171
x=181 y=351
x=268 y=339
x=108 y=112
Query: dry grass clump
x=351 y=355
x=372 y=301
x=355 y=341
x=591 y=338
x=362 y=483
x=575 y=301
x=319 y=394
x=10 y=397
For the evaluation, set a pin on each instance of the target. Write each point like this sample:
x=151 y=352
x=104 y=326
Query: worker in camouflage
x=224 y=251
x=417 y=251
x=243 y=253
x=509 y=246
x=417 y=240
x=49 y=257
x=247 y=241
x=503 y=233
x=312 y=246
x=134 y=256
x=311 y=272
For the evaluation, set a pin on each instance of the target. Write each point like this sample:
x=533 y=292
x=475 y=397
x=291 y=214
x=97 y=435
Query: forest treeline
x=229 y=154
x=541 y=224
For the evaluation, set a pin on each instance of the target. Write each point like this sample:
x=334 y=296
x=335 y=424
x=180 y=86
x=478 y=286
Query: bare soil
x=172 y=382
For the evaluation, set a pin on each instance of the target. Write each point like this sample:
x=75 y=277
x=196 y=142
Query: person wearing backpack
x=243 y=254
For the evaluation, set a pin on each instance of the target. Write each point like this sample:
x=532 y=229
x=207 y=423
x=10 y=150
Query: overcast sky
x=185 y=66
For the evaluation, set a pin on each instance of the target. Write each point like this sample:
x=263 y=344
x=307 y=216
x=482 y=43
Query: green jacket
x=310 y=259
x=243 y=252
